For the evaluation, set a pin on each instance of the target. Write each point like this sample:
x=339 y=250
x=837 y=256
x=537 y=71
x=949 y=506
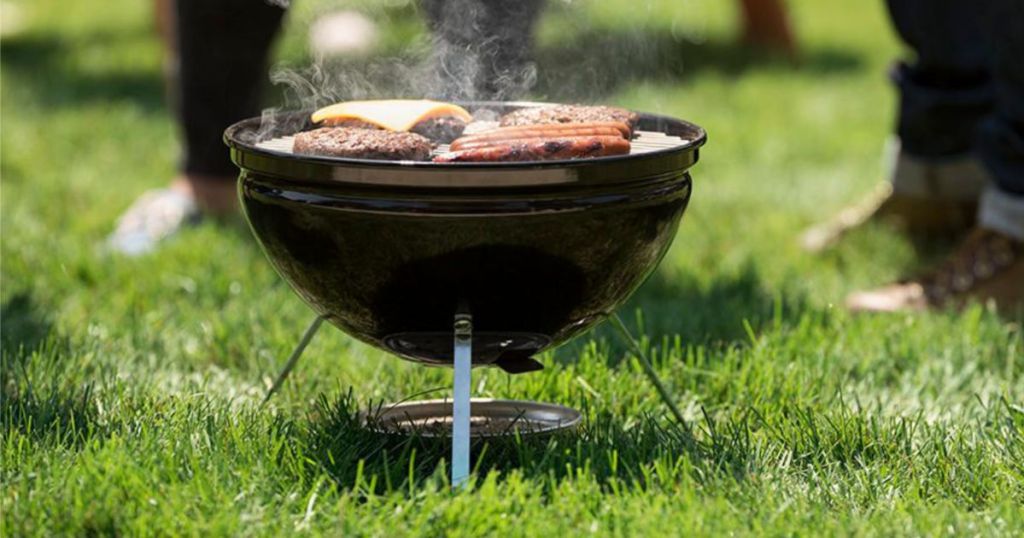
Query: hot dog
x=475 y=144
x=540 y=149
x=542 y=131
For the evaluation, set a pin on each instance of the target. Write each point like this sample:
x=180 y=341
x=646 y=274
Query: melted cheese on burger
x=390 y=114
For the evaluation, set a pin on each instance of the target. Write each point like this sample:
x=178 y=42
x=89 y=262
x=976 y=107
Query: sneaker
x=988 y=266
x=155 y=216
x=925 y=199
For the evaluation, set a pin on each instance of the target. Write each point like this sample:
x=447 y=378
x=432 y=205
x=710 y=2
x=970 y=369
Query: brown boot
x=926 y=200
x=988 y=266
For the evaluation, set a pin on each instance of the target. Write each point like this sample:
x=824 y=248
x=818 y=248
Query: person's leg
x=216 y=64
x=510 y=26
x=989 y=264
x=945 y=89
x=163 y=14
x=1000 y=142
x=223 y=47
x=766 y=24
x=482 y=47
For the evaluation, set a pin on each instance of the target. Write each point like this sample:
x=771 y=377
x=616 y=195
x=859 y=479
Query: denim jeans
x=963 y=93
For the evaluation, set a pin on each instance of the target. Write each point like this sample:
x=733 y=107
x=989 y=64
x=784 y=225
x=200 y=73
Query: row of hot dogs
x=541 y=142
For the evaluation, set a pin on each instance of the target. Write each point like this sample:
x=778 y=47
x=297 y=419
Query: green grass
x=130 y=387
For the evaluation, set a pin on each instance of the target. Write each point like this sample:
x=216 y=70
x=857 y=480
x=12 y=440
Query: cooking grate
x=643 y=142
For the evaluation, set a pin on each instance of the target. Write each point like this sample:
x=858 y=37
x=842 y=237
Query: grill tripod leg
x=649 y=371
x=294 y=357
x=461 y=411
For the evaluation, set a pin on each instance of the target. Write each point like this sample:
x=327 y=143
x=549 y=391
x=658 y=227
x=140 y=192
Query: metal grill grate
x=643 y=142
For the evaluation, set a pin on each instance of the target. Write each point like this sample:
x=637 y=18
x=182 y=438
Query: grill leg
x=649 y=370
x=294 y=357
x=461 y=401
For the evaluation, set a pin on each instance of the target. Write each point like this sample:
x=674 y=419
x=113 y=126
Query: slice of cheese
x=391 y=114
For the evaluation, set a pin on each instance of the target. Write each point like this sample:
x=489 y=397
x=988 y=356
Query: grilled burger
x=363 y=144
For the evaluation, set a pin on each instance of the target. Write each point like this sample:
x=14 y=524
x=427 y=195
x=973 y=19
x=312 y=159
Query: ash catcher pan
x=490 y=418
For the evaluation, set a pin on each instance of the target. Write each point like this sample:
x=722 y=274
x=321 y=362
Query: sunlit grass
x=130 y=387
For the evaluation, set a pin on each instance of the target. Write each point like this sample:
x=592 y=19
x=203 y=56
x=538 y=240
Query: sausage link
x=547 y=131
x=511 y=137
x=540 y=149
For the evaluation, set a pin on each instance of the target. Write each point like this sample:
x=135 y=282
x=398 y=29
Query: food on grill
x=478 y=126
x=367 y=129
x=541 y=131
x=441 y=130
x=436 y=120
x=570 y=114
x=362 y=144
x=352 y=123
x=541 y=142
x=540 y=149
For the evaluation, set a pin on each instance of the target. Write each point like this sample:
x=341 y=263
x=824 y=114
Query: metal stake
x=294 y=357
x=461 y=411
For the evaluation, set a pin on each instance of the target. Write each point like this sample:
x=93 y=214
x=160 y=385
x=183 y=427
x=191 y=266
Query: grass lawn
x=131 y=387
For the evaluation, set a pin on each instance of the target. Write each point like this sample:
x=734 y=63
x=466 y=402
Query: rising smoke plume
x=476 y=50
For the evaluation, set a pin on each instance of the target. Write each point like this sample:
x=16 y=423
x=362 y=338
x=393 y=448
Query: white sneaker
x=155 y=216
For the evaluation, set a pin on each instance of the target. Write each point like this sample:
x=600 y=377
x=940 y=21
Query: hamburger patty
x=362 y=144
x=441 y=130
x=570 y=114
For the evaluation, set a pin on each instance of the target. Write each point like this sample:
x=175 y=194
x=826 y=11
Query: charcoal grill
x=464 y=263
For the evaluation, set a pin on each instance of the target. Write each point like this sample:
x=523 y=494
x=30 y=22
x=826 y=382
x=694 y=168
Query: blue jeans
x=964 y=91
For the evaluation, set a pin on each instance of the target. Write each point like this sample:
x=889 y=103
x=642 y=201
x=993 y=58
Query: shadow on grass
x=49 y=414
x=44 y=63
x=593 y=63
x=597 y=61
x=715 y=314
x=33 y=400
x=842 y=441
x=24 y=326
x=351 y=454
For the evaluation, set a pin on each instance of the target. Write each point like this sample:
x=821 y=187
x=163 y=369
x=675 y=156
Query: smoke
x=485 y=50
x=473 y=50
x=326 y=81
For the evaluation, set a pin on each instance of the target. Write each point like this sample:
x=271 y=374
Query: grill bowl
x=537 y=252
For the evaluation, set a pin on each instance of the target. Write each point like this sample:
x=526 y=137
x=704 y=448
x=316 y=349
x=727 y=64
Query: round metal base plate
x=490 y=418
